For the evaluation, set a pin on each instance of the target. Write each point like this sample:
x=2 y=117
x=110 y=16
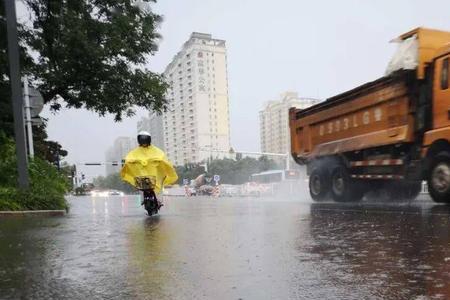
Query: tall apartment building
x=118 y=151
x=198 y=116
x=156 y=130
x=153 y=125
x=274 y=122
x=143 y=124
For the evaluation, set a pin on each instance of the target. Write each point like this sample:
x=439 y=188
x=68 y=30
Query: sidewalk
x=33 y=213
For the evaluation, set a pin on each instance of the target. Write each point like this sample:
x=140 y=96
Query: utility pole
x=16 y=93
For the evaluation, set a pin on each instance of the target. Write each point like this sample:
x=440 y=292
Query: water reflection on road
x=399 y=252
x=228 y=248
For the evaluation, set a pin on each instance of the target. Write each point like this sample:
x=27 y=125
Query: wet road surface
x=228 y=248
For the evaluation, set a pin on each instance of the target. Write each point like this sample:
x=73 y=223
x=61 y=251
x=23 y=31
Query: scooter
x=147 y=184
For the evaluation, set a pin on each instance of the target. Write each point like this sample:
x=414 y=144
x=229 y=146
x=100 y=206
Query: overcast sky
x=317 y=48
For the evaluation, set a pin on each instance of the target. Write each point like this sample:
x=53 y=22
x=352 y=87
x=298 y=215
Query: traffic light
x=82 y=176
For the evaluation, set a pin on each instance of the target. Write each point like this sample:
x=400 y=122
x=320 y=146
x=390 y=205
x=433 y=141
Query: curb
x=33 y=213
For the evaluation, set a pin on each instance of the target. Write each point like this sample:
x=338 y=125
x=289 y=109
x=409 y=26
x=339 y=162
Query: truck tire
x=343 y=187
x=439 y=178
x=319 y=184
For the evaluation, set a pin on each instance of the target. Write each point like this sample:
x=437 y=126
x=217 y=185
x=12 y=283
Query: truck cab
x=441 y=90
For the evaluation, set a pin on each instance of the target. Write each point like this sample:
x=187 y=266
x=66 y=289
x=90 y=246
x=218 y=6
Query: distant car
x=255 y=189
x=115 y=193
x=229 y=190
x=99 y=193
x=94 y=193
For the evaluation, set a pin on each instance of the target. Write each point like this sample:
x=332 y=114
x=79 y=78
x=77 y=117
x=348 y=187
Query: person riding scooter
x=148 y=169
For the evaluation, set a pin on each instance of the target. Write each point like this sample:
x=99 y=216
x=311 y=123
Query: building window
x=444 y=74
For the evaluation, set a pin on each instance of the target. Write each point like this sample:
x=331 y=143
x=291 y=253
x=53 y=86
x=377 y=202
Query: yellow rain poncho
x=148 y=161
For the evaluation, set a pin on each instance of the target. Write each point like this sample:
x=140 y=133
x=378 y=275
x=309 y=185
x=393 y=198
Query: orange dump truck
x=384 y=136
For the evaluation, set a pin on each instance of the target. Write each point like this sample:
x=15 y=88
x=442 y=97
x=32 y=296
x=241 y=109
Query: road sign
x=36 y=101
x=37 y=121
x=216 y=178
x=185 y=181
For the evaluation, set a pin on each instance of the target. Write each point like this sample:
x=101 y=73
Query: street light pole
x=16 y=93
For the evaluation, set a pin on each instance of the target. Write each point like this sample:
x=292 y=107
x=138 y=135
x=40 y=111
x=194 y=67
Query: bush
x=8 y=199
x=47 y=185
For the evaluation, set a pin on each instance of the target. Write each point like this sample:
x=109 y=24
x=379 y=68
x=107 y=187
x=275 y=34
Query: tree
x=49 y=150
x=189 y=171
x=92 y=54
x=231 y=171
x=267 y=164
x=88 y=54
x=85 y=54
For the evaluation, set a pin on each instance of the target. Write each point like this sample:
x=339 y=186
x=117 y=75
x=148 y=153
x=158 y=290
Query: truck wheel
x=344 y=188
x=319 y=184
x=439 y=178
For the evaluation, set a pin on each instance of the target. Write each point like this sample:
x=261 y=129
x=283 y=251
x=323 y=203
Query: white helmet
x=144 y=138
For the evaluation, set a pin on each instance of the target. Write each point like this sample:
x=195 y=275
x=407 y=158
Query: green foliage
x=47 y=185
x=190 y=172
x=114 y=182
x=230 y=171
x=93 y=53
x=9 y=199
x=51 y=151
x=87 y=54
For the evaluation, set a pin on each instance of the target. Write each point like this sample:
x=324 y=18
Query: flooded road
x=228 y=248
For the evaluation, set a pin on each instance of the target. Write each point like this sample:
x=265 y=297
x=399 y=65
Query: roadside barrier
x=216 y=191
x=187 y=191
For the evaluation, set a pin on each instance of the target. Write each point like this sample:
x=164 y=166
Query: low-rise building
x=274 y=121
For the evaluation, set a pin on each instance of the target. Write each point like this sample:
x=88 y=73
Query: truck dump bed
x=375 y=114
